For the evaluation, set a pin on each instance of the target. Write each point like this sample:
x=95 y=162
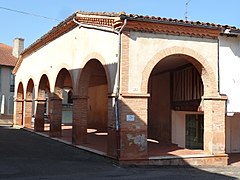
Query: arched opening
x=93 y=85
x=29 y=104
x=19 y=104
x=42 y=104
x=175 y=116
x=60 y=105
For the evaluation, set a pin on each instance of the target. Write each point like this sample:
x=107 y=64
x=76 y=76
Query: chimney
x=18 y=47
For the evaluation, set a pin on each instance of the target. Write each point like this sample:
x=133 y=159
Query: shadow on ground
x=26 y=155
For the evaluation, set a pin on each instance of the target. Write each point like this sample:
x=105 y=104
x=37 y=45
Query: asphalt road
x=25 y=155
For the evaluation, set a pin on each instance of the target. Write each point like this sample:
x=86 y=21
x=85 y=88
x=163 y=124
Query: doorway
x=194 y=131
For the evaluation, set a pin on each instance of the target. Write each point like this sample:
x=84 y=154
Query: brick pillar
x=214 y=124
x=39 y=116
x=19 y=112
x=79 y=129
x=133 y=126
x=113 y=137
x=55 y=116
x=28 y=113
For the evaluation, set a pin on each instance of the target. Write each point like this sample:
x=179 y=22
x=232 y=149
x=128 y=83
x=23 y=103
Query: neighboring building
x=137 y=82
x=8 y=59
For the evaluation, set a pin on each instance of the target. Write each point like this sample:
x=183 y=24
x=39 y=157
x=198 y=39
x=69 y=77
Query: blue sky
x=32 y=27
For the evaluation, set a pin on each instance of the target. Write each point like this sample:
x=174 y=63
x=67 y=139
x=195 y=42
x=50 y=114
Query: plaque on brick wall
x=130 y=117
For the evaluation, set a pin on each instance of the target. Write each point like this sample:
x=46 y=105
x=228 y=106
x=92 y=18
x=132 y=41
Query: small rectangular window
x=12 y=82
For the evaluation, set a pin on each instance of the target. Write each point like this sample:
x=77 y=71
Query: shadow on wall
x=96 y=82
x=231 y=43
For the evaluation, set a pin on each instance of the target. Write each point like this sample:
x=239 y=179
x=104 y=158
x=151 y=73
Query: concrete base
x=192 y=160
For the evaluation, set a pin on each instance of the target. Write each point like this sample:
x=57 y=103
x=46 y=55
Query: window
x=12 y=82
x=70 y=100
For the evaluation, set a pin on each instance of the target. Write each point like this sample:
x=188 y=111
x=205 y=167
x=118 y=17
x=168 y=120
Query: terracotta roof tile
x=157 y=19
x=136 y=17
x=6 y=57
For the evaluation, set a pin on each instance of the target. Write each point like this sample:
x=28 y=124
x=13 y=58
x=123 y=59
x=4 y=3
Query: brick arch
x=19 y=104
x=98 y=57
x=43 y=86
x=208 y=76
x=86 y=73
x=20 y=91
x=44 y=77
x=29 y=90
x=64 y=79
x=28 y=103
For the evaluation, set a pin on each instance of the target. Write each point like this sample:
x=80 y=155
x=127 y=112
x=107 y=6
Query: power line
x=27 y=13
x=186 y=11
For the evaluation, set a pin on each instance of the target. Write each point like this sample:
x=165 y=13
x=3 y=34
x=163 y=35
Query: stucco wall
x=229 y=65
x=70 y=51
x=233 y=134
x=5 y=87
x=143 y=47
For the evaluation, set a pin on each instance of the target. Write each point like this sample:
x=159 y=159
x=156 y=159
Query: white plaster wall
x=5 y=86
x=229 y=74
x=143 y=47
x=69 y=51
x=178 y=128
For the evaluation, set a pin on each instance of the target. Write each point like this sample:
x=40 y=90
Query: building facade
x=132 y=79
x=7 y=62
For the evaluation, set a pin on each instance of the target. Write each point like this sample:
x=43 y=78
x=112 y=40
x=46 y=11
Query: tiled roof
x=92 y=18
x=157 y=19
x=6 y=57
x=134 y=17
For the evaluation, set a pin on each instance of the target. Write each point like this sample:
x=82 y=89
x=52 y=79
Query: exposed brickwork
x=40 y=105
x=133 y=134
x=124 y=63
x=19 y=104
x=214 y=125
x=79 y=120
x=113 y=135
x=28 y=114
x=55 y=116
x=208 y=75
x=173 y=29
x=19 y=112
x=130 y=142
x=39 y=116
x=28 y=105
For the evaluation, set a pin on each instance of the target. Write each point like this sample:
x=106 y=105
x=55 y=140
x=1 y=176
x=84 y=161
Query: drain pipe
x=118 y=76
x=116 y=105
